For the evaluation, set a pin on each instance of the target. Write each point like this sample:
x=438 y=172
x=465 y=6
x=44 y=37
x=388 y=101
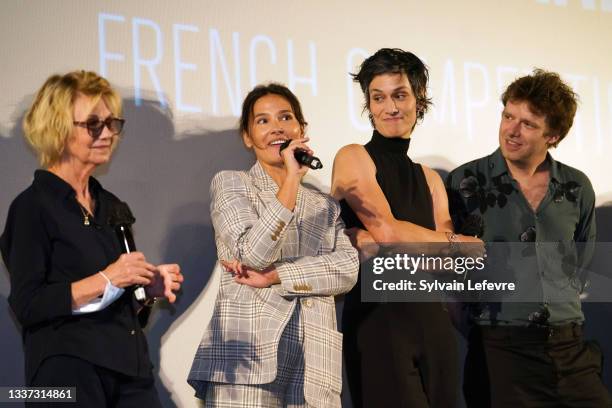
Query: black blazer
x=46 y=247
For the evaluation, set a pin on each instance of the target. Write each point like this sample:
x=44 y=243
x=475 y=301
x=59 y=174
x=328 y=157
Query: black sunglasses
x=95 y=126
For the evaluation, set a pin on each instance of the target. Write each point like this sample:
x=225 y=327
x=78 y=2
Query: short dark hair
x=396 y=61
x=547 y=95
x=272 y=88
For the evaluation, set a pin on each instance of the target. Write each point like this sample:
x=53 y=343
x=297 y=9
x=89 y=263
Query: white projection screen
x=184 y=66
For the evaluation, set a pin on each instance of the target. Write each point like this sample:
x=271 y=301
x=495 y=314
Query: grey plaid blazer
x=314 y=260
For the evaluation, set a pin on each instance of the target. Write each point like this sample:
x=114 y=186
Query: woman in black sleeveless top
x=397 y=354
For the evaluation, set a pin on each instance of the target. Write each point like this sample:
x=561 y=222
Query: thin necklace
x=85 y=214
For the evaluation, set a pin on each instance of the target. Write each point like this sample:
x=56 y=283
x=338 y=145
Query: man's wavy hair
x=547 y=95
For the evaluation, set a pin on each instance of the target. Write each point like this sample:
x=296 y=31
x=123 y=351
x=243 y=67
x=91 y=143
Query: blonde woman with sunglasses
x=71 y=286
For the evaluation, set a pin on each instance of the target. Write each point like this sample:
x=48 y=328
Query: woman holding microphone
x=273 y=339
x=71 y=288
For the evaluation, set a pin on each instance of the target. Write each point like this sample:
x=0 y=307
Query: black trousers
x=533 y=367
x=401 y=355
x=96 y=387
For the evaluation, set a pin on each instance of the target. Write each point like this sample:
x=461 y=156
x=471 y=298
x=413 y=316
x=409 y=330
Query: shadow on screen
x=165 y=178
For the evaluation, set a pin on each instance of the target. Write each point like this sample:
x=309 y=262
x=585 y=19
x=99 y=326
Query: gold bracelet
x=452 y=237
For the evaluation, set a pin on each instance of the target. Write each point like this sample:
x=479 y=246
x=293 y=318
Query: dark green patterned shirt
x=484 y=190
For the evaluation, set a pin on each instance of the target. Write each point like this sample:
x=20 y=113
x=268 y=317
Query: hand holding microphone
x=121 y=219
x=303 y=155
x=130 y=269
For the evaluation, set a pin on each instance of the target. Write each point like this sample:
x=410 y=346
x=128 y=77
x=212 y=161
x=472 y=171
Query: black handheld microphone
x=121 y=219
x=303 y=157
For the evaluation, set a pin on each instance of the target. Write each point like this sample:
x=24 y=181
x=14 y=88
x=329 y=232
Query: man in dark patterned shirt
x=530 y=353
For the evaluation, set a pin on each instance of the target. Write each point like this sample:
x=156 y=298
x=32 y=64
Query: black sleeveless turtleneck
x=401 y=180
x=392 y=347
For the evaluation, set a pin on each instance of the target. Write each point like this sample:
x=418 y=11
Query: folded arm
x=358 y=186
x=325 y=275
x=253 y=239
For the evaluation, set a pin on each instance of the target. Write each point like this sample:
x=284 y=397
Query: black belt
x=546 y=333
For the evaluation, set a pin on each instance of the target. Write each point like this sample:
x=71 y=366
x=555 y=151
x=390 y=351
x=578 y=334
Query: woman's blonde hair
x=48 y=123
